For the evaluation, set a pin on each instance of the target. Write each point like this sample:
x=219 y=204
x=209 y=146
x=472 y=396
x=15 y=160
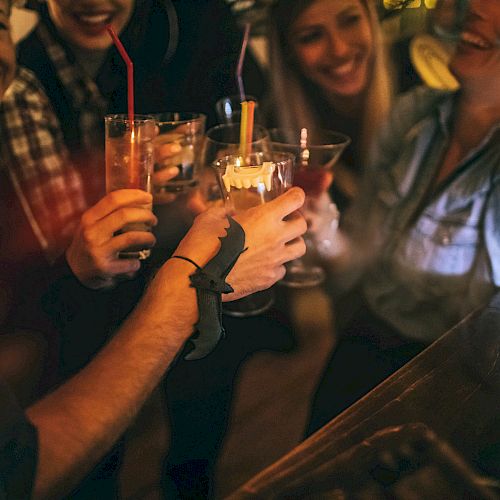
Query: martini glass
x=315 y=156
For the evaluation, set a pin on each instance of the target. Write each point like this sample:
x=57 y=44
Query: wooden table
x=453 y=388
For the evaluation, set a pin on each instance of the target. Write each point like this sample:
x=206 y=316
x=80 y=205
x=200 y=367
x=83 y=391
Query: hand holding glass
x=245 y=184
x=178 y=145
x=129 y=163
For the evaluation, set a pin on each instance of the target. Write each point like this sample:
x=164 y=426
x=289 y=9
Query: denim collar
x=445 y=110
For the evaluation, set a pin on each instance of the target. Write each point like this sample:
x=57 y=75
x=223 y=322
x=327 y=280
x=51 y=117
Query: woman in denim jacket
x=422 y=246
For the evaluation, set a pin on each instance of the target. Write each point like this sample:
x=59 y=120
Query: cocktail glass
x=315 y=157
x=129 y=162
x=246 y=183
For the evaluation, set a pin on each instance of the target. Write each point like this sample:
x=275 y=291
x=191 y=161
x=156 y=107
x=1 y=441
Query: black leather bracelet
x=187 y=259
x=210 y=284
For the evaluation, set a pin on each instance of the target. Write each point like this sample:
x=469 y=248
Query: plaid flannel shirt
x=84 y=93
x=48 y=183
x=33 y=151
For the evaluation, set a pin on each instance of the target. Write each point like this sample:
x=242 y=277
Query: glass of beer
x=129 y=163
x=178 y=144
x=245 y=183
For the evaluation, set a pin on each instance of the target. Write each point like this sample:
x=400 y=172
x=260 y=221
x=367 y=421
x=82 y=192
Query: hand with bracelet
x=250 y=258
x=136 y=357
x=273 y=236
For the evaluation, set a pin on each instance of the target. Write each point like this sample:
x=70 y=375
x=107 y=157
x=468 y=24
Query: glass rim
x=124 y=117
x=249 y=97
x=193 y=116
x=232 y=126
x=289 y=157
x=343 y=139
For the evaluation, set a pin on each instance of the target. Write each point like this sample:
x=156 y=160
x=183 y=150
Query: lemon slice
x=430 y=59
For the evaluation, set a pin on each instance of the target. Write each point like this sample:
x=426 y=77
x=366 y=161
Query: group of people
x=418 y=189
x=418 y=247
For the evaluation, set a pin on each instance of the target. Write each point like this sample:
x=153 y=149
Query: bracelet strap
x=210 y=283
x=186 y=259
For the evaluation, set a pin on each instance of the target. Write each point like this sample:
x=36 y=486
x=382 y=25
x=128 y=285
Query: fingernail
x=175 y=148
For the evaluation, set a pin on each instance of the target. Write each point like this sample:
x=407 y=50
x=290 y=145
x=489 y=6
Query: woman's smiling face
x=332 y=44
x=477 y=58
x=83 y=22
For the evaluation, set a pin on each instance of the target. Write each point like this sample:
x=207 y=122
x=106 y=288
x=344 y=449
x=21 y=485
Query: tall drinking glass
x=315 y=156
x=178 y=144
x=220 y=141
x=245 y=184
x=129 y=162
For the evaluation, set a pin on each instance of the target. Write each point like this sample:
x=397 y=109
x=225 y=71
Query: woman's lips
x=343 y=71
x=93 y=22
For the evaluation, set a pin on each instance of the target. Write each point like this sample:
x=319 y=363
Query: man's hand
x=93 y=253
x=273 y=236
x=201 y=243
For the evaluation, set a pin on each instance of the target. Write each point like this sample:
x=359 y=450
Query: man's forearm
x=80 y=421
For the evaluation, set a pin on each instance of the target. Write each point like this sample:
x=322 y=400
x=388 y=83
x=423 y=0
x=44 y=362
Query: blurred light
x=413 y=4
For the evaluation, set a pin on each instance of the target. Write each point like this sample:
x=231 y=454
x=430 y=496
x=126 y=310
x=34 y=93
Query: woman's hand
x=93 y=255
x=273 y=236
x=166 y=154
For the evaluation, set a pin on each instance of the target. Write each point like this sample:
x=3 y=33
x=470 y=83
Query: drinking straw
x=241 y=59
x=133 y=174
x=246 y=128
x=244 y=131
x=130 y=71
x=250 y=120
x=247 y=107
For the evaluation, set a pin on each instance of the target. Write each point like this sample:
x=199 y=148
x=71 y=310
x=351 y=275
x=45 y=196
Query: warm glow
x=414 y=4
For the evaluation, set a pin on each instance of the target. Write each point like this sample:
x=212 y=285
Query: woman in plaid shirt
x=181 y=62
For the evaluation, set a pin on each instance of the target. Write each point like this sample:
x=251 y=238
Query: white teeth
x=94 y=19
x=473 y=39
x=343 y=70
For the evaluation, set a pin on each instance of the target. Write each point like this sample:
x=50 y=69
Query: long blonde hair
x=295 y=106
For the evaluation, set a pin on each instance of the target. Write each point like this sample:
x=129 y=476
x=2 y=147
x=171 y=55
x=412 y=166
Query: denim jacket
x=434 y=257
